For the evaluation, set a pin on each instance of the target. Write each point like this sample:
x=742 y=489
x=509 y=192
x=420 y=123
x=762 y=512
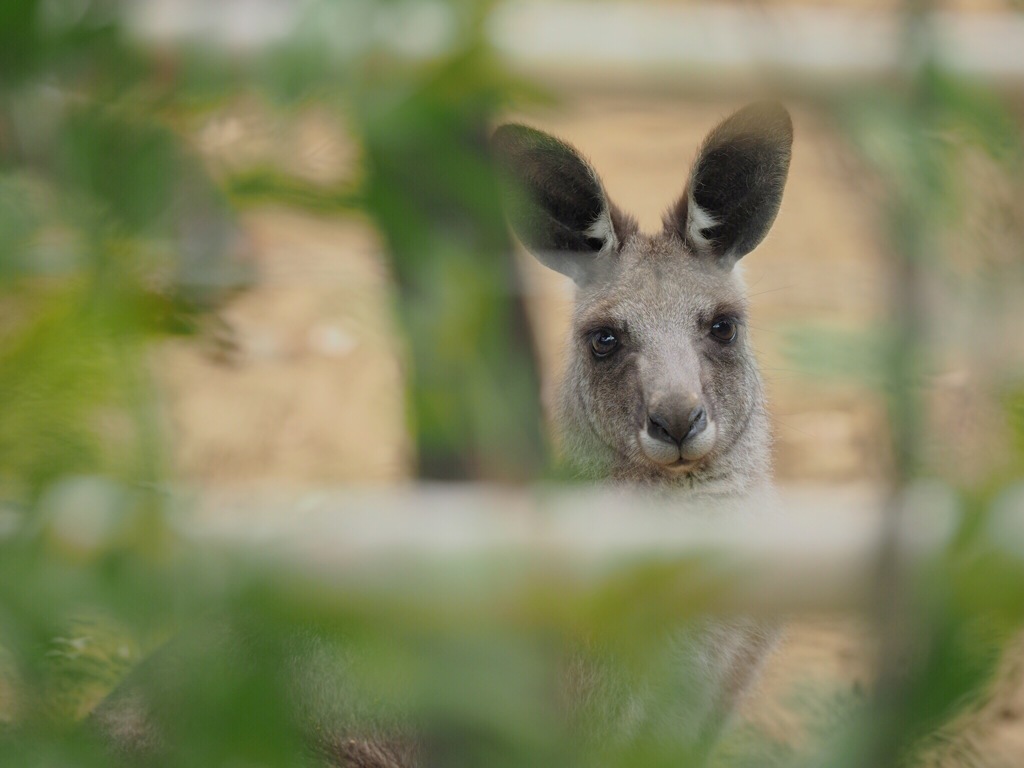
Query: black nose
x=674 y=427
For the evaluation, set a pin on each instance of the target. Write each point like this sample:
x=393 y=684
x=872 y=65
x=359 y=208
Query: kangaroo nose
x=673 y=427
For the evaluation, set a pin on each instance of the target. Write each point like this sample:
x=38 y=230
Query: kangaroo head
x=661 y=380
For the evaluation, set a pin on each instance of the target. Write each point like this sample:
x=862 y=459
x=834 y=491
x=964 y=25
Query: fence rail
x=807 y=550
x=621 y=40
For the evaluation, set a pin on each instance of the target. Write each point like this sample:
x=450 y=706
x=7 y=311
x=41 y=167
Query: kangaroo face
x=659 y=358
x=661 y=379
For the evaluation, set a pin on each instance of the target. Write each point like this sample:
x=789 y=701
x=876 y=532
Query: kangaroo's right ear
x=736 y=184
x=554 y=201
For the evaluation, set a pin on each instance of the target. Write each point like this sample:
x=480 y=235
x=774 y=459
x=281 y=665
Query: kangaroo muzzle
x=678 y=431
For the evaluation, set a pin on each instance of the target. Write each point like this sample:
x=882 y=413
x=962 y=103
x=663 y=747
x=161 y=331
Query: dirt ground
x=309 y=392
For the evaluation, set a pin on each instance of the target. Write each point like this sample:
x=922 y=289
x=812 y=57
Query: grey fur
x=659 y=294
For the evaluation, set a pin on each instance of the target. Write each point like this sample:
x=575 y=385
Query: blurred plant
x=938 y=655
x=112 y=231
x=430 y=189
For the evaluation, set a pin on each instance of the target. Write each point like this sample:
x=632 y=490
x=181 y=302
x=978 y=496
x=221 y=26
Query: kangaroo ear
x=554 y=201
x=736 y=184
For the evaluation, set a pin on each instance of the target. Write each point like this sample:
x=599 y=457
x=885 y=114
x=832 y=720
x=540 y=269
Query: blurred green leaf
x=20 y=39
x=127 y=165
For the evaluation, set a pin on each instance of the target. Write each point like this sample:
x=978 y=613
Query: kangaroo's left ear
x=736 y=184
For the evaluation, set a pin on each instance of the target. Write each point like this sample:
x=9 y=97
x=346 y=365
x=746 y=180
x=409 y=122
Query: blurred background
x=255 y=247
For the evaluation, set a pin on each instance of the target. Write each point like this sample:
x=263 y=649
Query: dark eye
x=603 y=342
x=724 y=329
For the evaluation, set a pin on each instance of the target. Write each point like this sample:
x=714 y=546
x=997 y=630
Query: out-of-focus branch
x=261 y=185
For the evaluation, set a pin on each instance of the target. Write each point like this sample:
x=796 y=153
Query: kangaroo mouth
x=681 y=464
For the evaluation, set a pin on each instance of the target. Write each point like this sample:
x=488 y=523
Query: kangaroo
x=661 y=385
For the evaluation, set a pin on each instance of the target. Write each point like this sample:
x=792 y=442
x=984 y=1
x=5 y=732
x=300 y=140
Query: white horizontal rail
x=613 y=39
x=806 y=550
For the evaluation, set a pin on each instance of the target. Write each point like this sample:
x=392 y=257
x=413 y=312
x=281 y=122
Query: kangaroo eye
x=724 y=329
x=603 y=342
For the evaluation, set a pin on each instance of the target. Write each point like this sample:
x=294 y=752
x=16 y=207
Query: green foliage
x=19 y=22
x=112 y=232
x=56 y=375
x=913 y=137
x=135 y=195
x=1014 y=406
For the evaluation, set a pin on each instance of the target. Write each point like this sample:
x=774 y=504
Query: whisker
x=782 y=423
x=770 y=290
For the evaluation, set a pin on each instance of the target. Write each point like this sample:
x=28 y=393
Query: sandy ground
x=308 y=392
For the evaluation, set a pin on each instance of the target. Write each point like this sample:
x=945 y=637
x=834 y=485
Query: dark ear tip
x=511 y=137
x=769 y=117
x=503 y=137
x=776 y=114
x=505 y=131
x=771 y=109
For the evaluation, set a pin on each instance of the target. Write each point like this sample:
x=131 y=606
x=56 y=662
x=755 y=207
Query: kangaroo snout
x=676 y=423
x=678 y=431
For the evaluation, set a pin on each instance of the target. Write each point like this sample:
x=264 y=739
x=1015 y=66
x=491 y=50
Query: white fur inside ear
x=603 y=230
x=697 y=220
